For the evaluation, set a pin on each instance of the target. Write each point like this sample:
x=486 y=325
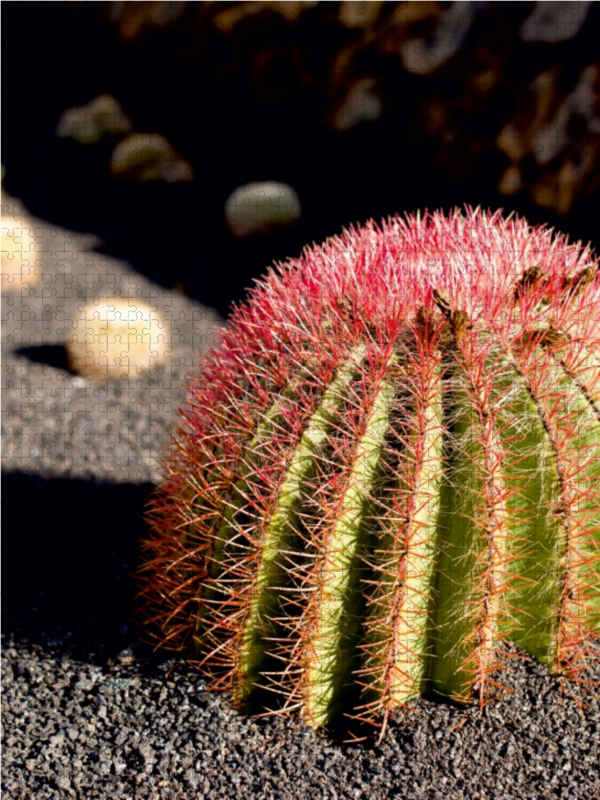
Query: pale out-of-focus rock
x=425 y=54
x=20 y=254
x=149 y=157
x=261 y=208
x=408 y=21
x=99 y=119
x=118 y=338
x=361 y=104
x=552 y=22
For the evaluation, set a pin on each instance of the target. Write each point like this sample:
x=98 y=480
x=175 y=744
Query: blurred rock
x=511 y=181
x=426 y=54
x=538 y=104
x=558 y=191
x=126 y=657
x=134 y=19
x=261 y=208
x=100 y=118
x=149 y=157
x=553 y=22
x=119 y=338
x=20 y=253
x=409 y=21
x=359 y=14
x=226 y=20
x=361 y=104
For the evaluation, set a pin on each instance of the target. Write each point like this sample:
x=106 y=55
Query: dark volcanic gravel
x=131 y=728
x=90 y=712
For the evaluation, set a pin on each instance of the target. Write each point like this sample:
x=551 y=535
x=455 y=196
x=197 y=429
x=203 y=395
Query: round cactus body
x=387 y=470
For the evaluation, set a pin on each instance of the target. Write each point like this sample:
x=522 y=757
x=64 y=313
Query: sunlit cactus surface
x=387 y=470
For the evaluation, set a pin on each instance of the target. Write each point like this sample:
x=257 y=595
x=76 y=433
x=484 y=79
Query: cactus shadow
x=343 y=731
x=52 y=355
x=70 y=550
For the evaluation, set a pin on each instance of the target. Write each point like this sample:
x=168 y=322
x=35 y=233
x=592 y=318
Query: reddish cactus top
x=377 y=277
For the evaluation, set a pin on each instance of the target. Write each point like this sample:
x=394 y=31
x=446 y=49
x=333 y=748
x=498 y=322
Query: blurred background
x=165 y=153
x=138 y=122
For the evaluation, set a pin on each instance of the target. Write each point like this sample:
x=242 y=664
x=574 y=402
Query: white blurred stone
x=261 y=208
x=119 y=338
x=20 y=254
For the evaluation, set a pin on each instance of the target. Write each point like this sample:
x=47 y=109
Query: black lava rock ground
x=132 y=728
x=88 y=710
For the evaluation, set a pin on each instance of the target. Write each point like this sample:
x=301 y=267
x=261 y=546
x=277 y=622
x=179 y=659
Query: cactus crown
x=388 y=468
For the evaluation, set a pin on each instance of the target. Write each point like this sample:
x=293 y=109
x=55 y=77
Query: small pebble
x=126 y=657
x=261 y=208
x=118 y=338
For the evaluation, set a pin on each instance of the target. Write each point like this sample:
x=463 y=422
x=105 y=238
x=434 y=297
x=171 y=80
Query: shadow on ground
x=52 y=355
x=70 y=550
x=70 y=554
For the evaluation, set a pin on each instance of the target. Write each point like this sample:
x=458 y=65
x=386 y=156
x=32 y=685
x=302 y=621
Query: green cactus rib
x=283 y=522
x=582 y=449
x=554 y=564
x=585 y=376
x=472 y=539
x=236 y=502
x=537 y=542
x=536 y=549
x=263 y=433
x=337 y=621
x=396 y=629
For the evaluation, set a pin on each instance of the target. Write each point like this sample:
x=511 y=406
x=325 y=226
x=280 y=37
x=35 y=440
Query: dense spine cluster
x=388 y=468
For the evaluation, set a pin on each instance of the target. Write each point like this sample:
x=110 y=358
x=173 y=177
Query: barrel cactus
x=387 y=470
